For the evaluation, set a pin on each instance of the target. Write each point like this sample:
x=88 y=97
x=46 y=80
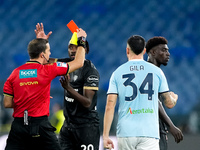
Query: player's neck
x=38 y=60
x=153 y=61
x=132 y=57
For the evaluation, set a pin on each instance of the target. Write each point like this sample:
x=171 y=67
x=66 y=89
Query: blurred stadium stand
x=109 y=24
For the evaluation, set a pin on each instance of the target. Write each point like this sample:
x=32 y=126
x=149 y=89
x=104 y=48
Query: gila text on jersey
x=136 y=68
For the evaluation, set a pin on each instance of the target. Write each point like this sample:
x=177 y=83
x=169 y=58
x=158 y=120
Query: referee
x=27 y=91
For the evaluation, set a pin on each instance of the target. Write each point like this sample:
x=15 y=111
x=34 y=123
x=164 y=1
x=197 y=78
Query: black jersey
x=86 y=77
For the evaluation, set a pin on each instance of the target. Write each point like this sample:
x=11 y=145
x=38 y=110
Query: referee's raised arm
x=80 y=54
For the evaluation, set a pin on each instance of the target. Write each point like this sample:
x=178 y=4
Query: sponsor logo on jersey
x=61 y=64
x=69 y=99
x=29 y=73
x=140 y=111
x=28 y=83
x=92 y=78
x=75 y=78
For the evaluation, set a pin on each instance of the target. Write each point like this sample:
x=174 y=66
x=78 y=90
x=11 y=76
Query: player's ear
x=153 y=52
x=127 y=50
x=144 y=51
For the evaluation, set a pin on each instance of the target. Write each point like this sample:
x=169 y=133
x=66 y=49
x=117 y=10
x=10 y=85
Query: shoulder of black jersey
x=89 y=63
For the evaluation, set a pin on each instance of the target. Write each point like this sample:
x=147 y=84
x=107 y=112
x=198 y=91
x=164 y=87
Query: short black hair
x=154 y=42
x=37 y=46
x=136 y=43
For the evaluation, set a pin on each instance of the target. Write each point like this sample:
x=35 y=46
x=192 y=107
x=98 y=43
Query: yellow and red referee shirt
x=29 y=85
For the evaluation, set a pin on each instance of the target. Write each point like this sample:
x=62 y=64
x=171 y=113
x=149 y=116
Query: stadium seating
x=108 y=24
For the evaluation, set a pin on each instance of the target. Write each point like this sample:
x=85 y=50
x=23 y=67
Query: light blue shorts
x=138 y=143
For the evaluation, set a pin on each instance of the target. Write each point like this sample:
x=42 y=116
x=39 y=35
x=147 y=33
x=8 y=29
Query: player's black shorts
x=37 y=135
x=82 y=138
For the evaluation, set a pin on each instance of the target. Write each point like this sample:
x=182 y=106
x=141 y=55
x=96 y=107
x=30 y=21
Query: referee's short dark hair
x=37 y=46
x=157 y=40
x=136 y=43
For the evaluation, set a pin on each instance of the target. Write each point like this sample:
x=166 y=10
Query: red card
x=72 y=26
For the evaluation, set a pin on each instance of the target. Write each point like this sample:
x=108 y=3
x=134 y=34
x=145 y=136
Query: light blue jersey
x=137 y=84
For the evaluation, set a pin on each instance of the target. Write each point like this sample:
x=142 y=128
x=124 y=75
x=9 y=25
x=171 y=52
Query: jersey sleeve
x=112 y=89
x=7 y=89
x=58 y=69
x=163 y=84
x=91 y=79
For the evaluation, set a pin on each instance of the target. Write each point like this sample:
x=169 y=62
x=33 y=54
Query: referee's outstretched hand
x=39 y=31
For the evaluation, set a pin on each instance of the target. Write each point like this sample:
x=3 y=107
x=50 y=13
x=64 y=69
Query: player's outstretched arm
x=176 y=132
x=169 y=99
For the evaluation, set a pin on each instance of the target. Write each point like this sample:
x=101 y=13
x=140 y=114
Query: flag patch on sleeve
x=61 y=64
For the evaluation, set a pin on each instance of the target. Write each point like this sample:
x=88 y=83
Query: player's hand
x=39 y=31
x=81 y=32
x=175 y=96
x=108 y=143
x=177 y=133
x=64 y=80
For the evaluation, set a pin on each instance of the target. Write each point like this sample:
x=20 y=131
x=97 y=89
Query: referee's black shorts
x=37 y=135
x=84 y=137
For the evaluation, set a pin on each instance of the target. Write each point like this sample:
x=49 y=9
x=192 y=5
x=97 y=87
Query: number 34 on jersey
x=147 y=82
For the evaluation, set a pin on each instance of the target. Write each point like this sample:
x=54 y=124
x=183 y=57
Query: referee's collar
x=28 y=62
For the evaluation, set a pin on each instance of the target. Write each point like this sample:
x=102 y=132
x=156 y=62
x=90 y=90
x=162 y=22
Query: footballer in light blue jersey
x=137 y=84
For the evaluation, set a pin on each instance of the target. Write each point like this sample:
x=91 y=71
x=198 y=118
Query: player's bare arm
x=176 y=132
x=108 y=118
x=85 y=99
x=169 y=99
x=8 y=101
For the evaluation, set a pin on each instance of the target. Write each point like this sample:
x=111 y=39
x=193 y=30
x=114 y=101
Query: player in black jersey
x=158 y=55
x=81 y=128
